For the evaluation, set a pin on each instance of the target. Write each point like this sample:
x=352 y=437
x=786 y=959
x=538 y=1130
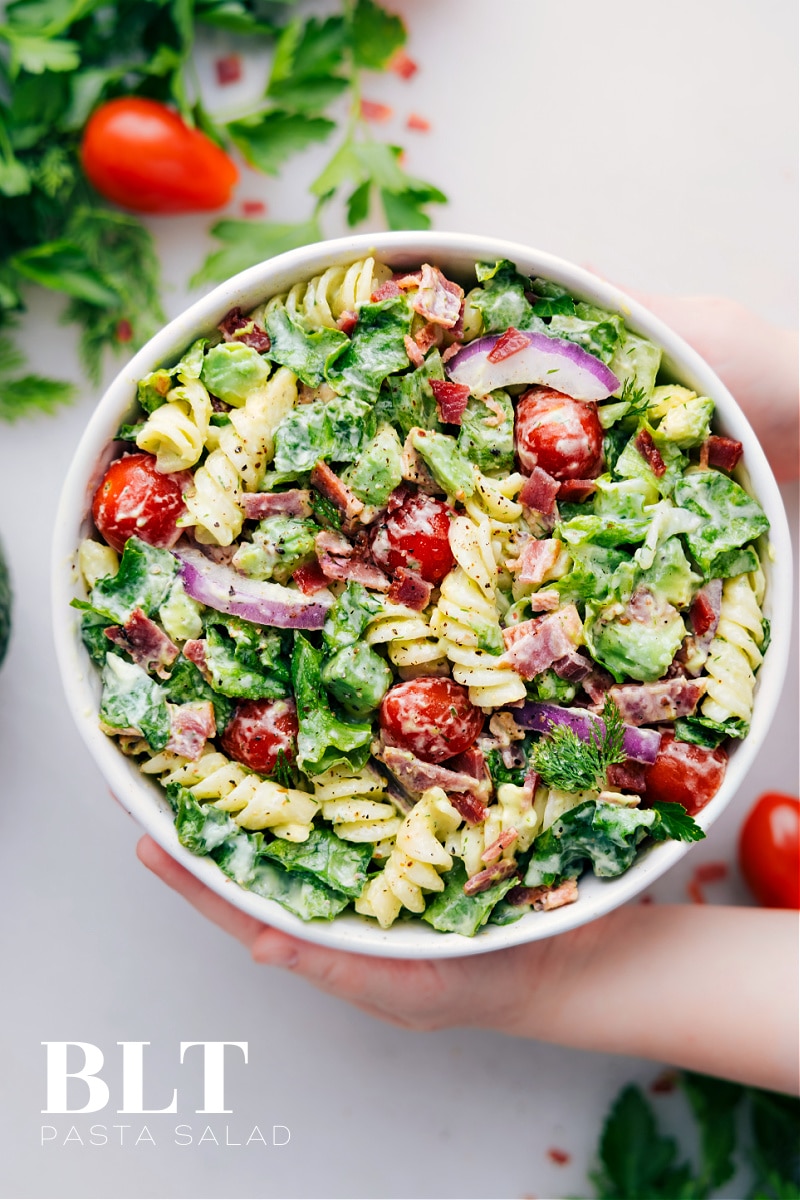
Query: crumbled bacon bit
x=499 y=415
x=485 y=879
x=418 y=123
x=493 y=852
x=702 y=613
x=236 y=327
x=711 y=872
x=575 y=491
x=347 y=321
x=328 y=483
x=646 y=900
x=402 y=65
x=721 y=452
x=254 y=208
x=124 y=331
x=372 y=111
x=451 y=351
x=310 y=579
x=429 y=335
x=228 y=69
x=410 y=589
x=539 y=492
x=146 y=643
x=694 y=893
x=451 y=400
x=413 y=351
x=406 y=280
x=650 y=452
x=385 y=291
x=471 y=808
x=559 y=1157
x=664 y=1083
x=511 y=342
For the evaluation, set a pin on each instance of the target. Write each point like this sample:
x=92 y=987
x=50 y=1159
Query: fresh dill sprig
x=566 y=762
x=636 y=397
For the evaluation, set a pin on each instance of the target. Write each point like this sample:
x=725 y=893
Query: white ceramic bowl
x=456 y=255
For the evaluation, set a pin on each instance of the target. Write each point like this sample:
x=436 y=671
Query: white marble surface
x=656 y=142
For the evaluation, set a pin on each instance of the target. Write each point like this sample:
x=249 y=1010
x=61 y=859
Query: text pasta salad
x=422 y=602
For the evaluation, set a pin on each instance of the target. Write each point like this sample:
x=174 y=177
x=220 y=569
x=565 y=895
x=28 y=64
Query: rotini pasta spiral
x=176 y=431
x=493 y=500
x=734 y=655
x=515 y=811
x=412 y=646
x=466 y=619
x=415 y=862
x=244 y=448
x=320 y=302
x=355 y=802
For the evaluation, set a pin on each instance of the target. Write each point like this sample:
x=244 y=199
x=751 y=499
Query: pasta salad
x=424 y=603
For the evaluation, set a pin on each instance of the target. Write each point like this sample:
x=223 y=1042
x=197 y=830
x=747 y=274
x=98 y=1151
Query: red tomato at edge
x=416 y=536
x=141 y=155
x=432 y=717
x=259 y=731
x=561 y=435
x=769 y=850
x=134 y=499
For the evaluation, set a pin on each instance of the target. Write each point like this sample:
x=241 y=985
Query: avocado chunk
x=280 y=545
x=379 y=469
x=640 y=641
x=358 y=678
x=451 y=470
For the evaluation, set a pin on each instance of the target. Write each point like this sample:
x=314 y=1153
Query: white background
x=655 y=142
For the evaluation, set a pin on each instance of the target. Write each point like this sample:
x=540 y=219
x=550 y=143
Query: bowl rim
x=143 y=798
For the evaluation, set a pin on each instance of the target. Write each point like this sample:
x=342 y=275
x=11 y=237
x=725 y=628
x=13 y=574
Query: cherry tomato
x=415 y=536
x=561 y=435
x=259 y=731
x=141 y=155
x=769 y=850
x=135 y=499
x=433 y=718
x=685 y=774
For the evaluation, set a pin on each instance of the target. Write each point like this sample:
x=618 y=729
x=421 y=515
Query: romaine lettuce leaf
x=246 y=661
x=451 y=470
x=132 y=700
x=339 y=865
x=636 y=361
x=730 y=518
x=485 y=442
x=501 y=300
x=379 y=468
x=303 y=351
x=670 y=575
x=349 y=616
x=632 y=465
x=93 y=636
x=703 y=732
x=334 y=430
x=452 y=911
x=598 y=331
x=639 y=644
x=143 y=581
x=201 y=828
x=300 y=894
x=375 y=350
x=324 y=739
x=232 y=370
x=408 y=400
x=186 y=684
x=603 y=835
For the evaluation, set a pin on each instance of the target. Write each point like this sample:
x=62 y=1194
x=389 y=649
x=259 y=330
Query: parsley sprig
x=60 y=59
x=566 y=762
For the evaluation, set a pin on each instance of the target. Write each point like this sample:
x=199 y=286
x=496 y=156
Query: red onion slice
x=224 y=589
x=642 y=745
x=552 y=362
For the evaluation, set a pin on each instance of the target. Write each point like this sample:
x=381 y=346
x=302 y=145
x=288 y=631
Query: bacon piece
x=596 y=684
x=451 y=351
x=410 y=589
x=667 y=1081
x=371 y=110
x=147 y=645
x=294 y=503
x=429 y=335
x=385 y=291
x=627 y=776
x=416 y=776
x=337 y=560
x=328 y=483
x=451 y=400
x=511 y=342
x=704 y=619
x=406 y=280
x=347 y=321
x=559 y=1157
x=228 y=69
x=538 y=557
x=469 y=807
x=235 y=322
x=572 y=667
x=544 y=899
x=413 y=351
x=575 y=491
x=484 y=879
x=534 y=646
x=493 y=853
x=539 y=492
x=195 y=651
x=704 y=613
x=402 y=65
x=310 y=579
x=649 y=703
x=418 y=123
x=398 y=497
x=438 y=299
x=254 y=208
x=532 y=781
x=469 y=762
x=650 y=452
x=123 y=331
x=190 y=725
x=721 y=452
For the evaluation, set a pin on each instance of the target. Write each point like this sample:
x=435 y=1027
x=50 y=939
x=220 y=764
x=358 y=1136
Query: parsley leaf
x=636 y=1159
x=267 y=139
x=675 y=823
x=376 y=35
x=246 y=242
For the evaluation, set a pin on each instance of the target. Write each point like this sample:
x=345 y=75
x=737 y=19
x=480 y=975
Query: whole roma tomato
x=143 y=156
x=769 y=850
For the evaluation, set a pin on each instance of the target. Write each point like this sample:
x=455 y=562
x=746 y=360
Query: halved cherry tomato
x=141 y=155
x=433 y=718
x=261 y=730
x=561 y=435
x=416 y=536
x=685 y=774
x=769 y=850
x=136 y=500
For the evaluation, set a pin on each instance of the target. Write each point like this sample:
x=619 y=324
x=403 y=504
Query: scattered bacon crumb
x=254 y=208
x=711 y=872
x=413 y=351
x=415 y=121
x=385 y=291
x=310 y=579
x=406 y=280
x=451 y=400
x=471 y=808
x=695 y=894
x=402 y=65
x=559 y=1157
x=664 y=1083
x=575 y=491
x=451 y=351
x=124 y=330
x=646 y=899
x=492 y=853
x=228 y=69
x=721 y=452
x=511 y=342
x=650 y=452
x=372 y=111
x=702 y=613
x=347 y=321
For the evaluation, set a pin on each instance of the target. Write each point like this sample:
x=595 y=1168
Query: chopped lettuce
x=93 y=636
x=246 y=661
x=408 y=400
x=730 y=518
x=485 y=440
x=624 y=498
x=688 y=423
x=375 y=350
x=670 y=576
x=349 y=616
x=232 y=370
x=452 y=911
x=603 y=530
x=186 y=684
x=333 y=430
x=598 y=331
x=131 y=700
x=379 y=468
x=324 y=739
x=280 y=545
x=441 y=455
x=703 y=732
x=339 y=865
x=501 y=300
x=301 y=894
x=143 y=581
x=632 y=465
x=595 y=574
x=635 y=362
x=639 y=643
x=603 y=835
x=734 y=562
x=201 y=828
x=306 y=352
